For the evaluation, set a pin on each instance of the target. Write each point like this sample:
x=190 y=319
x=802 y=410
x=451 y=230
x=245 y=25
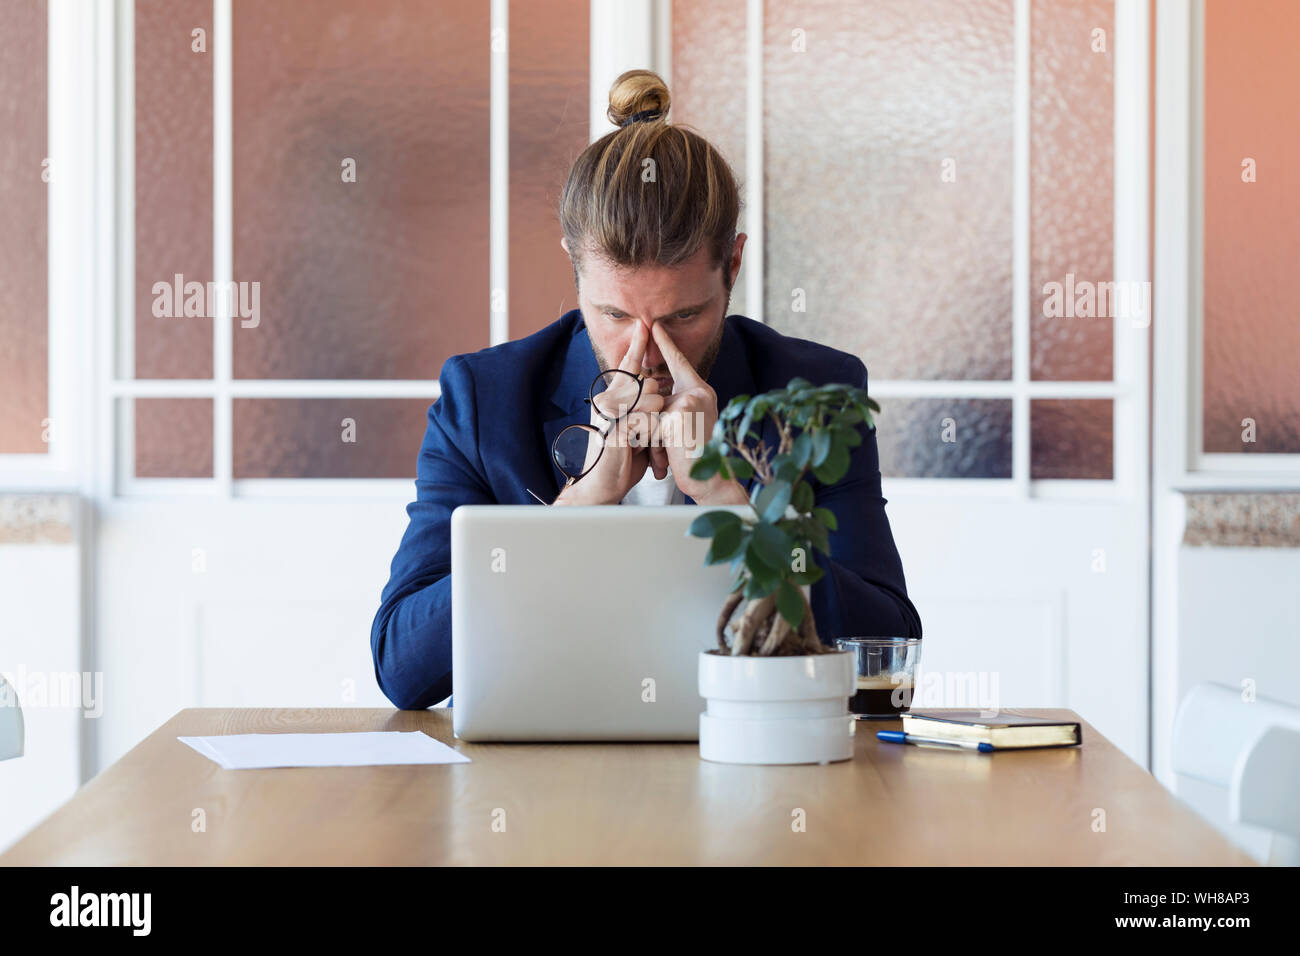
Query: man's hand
x=625 y=457
x=685 y=425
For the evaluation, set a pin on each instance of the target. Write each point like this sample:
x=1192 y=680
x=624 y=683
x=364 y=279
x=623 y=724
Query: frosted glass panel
x=1251 y=238
x=328 y=437
x=550 y=81
x=173 y=437
x=709 y=92
x=24 y=386
x=173 y=185
x=944 y=437
x=1071 y=162
x=1071 y=438
x=361 y=186
x=889 y=181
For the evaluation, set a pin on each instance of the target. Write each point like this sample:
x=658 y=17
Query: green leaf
x=821 y=446
x=816 y=533
x=759 y=586
x=711 y=522
x=734 y=408
x=826 y=517
x=742 y=469
x=706 y=467
x=811 y=576
x=726 y=542
x=789 y=601
x=803 y=497
x=772 y=501
x=835 y=466
x=742 y=430
x=771 y=546
x=802 y=449
x=784 y=469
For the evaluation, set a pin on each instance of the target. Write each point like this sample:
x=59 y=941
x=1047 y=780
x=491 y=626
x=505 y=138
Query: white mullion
x=275 y=388
x=499 y=178
x=1284 y=466
x=1020 y=256
x=351 y=489
x=123 y=351
x=117 y=350
x=622 y=38
x=754 y=194
x=1193 y=444
x=1177 y=146
x=1005 y=389
x=123 y=412
x=1131 y=237
x=1072 y=488
x=222 y=242
x=662 y=11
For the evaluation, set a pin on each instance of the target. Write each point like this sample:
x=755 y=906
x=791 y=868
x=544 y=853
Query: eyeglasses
x=577 y=448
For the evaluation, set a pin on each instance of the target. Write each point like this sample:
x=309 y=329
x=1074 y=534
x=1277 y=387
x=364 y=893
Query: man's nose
x=653 y=357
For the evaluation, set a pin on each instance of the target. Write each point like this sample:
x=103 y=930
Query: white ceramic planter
x=777 y=710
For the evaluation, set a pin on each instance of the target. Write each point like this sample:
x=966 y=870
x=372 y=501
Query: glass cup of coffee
x=886 y=668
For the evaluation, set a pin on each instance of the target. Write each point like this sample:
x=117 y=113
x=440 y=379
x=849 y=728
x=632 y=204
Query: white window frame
x=1181 y=462
x=79 y=217
x=624 y=34
x=1179 y=465
x=1129 y=387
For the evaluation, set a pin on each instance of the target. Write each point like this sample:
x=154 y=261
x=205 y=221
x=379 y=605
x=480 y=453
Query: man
x=648 y=215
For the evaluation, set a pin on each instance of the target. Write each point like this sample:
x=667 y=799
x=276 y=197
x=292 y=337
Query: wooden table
x=617 y=804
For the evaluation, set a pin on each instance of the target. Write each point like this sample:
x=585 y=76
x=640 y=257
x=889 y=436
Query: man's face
x=689 y=300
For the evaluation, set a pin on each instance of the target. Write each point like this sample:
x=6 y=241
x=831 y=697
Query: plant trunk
x=761 y=631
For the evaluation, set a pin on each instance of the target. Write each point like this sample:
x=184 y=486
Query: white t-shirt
x=648 y=491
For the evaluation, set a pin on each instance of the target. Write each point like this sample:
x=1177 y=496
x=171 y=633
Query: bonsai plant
x=771 y=553
x=775 y=694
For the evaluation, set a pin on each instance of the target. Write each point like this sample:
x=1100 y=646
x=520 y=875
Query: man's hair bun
x=637 y=91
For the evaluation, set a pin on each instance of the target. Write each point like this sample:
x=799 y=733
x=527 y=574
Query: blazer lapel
x=567 y=402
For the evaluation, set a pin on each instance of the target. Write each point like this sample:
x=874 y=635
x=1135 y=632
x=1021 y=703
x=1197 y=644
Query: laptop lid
x=580 y=623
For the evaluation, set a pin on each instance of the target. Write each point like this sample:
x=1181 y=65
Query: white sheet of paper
x=365 y=749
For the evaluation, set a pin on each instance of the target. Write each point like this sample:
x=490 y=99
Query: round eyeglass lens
x=577 y=448
x=619 y=392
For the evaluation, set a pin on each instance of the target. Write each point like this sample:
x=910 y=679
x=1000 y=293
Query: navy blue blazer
x=489 y=440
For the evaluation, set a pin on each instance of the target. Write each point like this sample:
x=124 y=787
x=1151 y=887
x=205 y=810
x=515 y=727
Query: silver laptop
x=580 y=623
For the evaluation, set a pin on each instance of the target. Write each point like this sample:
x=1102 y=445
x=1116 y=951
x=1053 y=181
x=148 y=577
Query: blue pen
x=898 y=737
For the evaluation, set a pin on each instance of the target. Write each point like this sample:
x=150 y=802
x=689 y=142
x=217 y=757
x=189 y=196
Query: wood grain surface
x=617 y=804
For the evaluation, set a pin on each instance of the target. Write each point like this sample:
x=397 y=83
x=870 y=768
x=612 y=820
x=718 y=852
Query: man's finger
x=634 y=358
x=659 y=461
x=683 y=372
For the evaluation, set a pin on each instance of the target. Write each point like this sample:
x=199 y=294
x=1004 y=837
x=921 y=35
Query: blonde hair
x=611 y=204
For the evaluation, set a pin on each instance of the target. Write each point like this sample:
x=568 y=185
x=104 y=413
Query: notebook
x=1009 y=730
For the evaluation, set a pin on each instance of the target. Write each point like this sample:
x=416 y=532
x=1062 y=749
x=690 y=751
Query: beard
x=702 y=368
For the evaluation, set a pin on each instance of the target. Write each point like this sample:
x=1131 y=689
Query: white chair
x=11 y=722
x=1252 y=749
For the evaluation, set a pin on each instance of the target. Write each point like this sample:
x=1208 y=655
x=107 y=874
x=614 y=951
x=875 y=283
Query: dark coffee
x=881 y=697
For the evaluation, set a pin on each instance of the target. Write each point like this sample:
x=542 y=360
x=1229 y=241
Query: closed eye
x=680 y=315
